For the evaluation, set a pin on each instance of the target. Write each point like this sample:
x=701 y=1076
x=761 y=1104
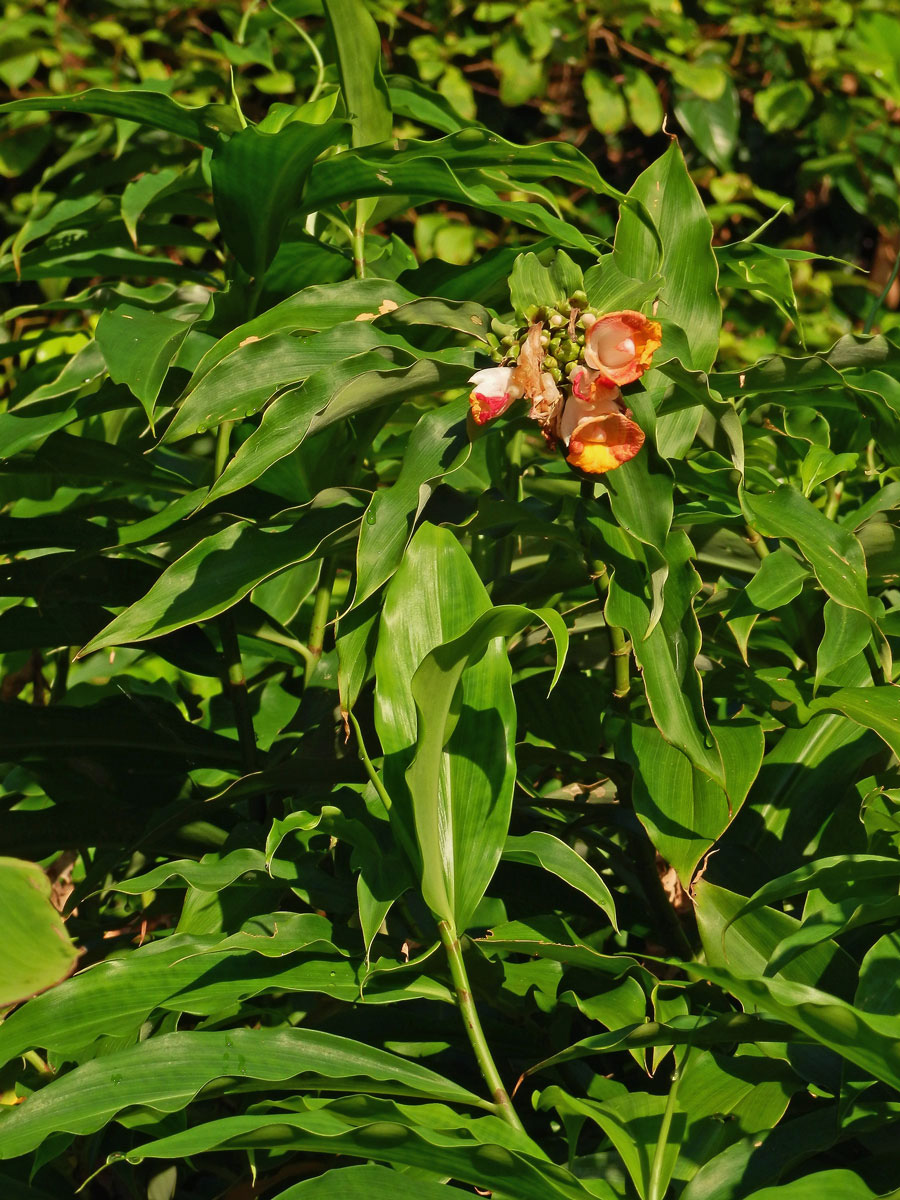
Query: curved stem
x=758 y=546
x=321 y=605
x=374 y=777
x=467 y=1008
x=314 y=50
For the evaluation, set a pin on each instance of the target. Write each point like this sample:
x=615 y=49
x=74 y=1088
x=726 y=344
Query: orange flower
x=598 y=432
x=620 y=346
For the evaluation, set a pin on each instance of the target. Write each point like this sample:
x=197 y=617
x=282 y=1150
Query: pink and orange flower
x=586 y=413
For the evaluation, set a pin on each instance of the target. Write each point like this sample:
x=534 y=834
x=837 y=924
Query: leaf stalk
x=472 y=1023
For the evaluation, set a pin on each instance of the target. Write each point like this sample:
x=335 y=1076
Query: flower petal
x=491 y=395
x=620 y=346
x=603 y=443
x=599 y=401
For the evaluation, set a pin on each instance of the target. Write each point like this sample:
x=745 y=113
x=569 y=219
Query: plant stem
x=835 y=492
x=223 y=438
x=236 y=683
x=467 y=1008
x=620 y=647
x=313 y=48
x=759 y=547
x=658 y=1185
x=620 y=651
x=241 y=34
x=321 y=605
x=359 y=243
x=374 y=777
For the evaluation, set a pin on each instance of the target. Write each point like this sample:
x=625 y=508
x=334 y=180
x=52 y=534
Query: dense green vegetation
x=449 y=557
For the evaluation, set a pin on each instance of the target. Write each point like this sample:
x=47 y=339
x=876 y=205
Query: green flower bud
x=551 y=364
x=556 y=374
x=556 y=319
x=531 y=313
x=501 y=328
x=579 y=299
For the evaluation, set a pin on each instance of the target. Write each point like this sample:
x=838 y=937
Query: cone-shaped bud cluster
x=570 y=361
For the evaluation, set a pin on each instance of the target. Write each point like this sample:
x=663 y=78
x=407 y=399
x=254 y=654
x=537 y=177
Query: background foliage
x=325 y=713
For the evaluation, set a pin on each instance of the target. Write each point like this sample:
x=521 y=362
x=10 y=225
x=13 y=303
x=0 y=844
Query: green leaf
x=874 y=708
x=605 y=102
x=730 y=1029
x=166 y=1072
x=483 y=1152
x=744 y=945
x=783 y=105
x=462 y=775
x=224 y=567
x=449 y=754
x=869 y=1040
x=315 y=308
x=821 y=875
x=202 y=125
x=688 y=296
x=251 y=374
x=358 y=44
x=328 y=396
x=139 y=346
x=821 y=1185
x=544 y=850
x=438 y=444
x=666 y=650
x=644 y=103
x=369 y=1182
x=464 y=167
x=712 y=125
x=37 y=952
x=847 y=633
x=833 y=553
x=257 y=181
x=684 y=811
x=140 y=194
x=609 y=290
x=184 y=973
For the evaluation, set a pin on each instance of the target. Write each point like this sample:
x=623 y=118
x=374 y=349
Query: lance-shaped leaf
x=688 y=296
x=203 y=125
x=166 y=1073
x=541 y=849
x=358 y=45
x=869 y=1040
x=331 y=395
x=483 y=1151
x=446 y=718
x=222 y=568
